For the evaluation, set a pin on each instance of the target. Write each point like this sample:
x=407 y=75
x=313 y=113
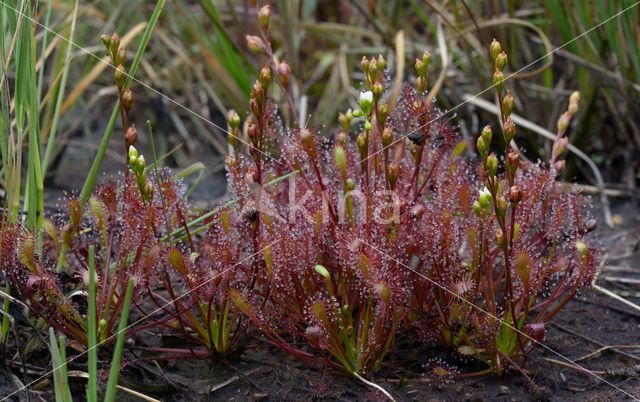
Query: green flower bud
x=377 y=90
x=382 y=112
x=364 y=64
x=362 y=145
x=501 y=61
x=486 y=135
x=382 y=63
x=233 y=119
x=322 y=271
x=495 y=49
x=367 y=126
x=492 y=165
x=509 y=130
x=133 y=151
x=485 y=199
x=420 y=68
x=341 y=161
x=477 y=208
x=498 y=81
x=482 y=147
x=507 y=104
x=426 y=59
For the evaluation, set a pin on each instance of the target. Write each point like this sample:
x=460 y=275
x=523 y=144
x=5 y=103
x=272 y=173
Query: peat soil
x=595 y=331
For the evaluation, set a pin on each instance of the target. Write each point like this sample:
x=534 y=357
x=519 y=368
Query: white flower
x=366 y=102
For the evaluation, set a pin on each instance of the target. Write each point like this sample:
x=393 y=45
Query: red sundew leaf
x=535 y=331
x=177 y=262
x=523 y=267
x=32 y=283
x=151 y=259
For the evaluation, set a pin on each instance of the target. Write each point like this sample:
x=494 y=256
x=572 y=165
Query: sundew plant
x=337 y=245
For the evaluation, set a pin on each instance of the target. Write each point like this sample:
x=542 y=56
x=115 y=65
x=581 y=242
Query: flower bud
x=255 y=44
x=382 y=63
x=421 y=70
x=341 y=138
x=141 y=163
x=513 y=160
x=482 y=147
x=373 y=67
x=252 y=130
x=377 y=91
x=115 y=44
x=367 y=126
x=233 y=119
x=501 y=204
x=341 y=161
x=119 y=76
x=324 y=272
x=486 y=135
x=477 y=208
x=364 y=64
x=131 y=136
x=485 y=199
x=133 y=152
x=509 y=130
x=263 y=16
x=393 y=172
x=575 y=97
x=265 y=77
x=492 y=165
x=345 y=119
x=560 y=146
x=501 y=61
x=121 y=56
x=563 y=122
x=106 y=41
x=127 y=100
x=507 y=104
x=501 y=239
x=382 y=112
x=362 y=145
x=284 y=71
x=426 y=59
x=387 y=137
x=515 y=194
x=495 y=49
x=498 y=81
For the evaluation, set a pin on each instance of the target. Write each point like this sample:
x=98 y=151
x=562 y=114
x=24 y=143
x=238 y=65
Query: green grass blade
x=90 y=181
x=60 y=97
x=110 y=394
x=92 y=387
